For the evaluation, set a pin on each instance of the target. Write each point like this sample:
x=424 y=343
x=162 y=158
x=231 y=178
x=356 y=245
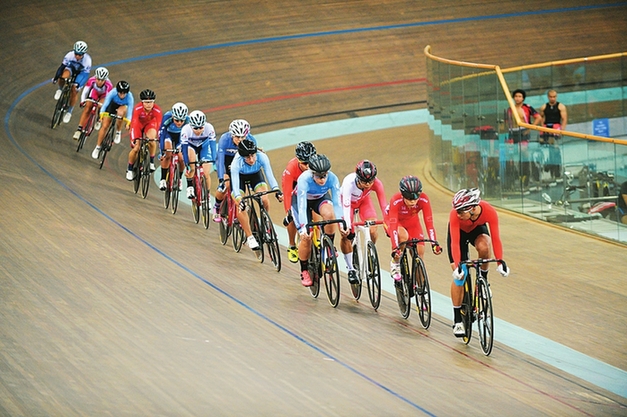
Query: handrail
x=510 y=100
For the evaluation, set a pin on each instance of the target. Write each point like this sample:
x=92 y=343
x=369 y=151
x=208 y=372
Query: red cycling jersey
x=288 y=181
x=487 y=216
x=399 y=214
x=143 y=120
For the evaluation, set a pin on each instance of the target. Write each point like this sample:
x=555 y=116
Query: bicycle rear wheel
x=81 y=140
x=167 y=194
x=485 y=324
x=238 y=236
x=330 y=271
x=174 y=184
x=225 y=228
x=467 y=309
x=356 y=288
x=373 y=277
x=402 y=287
x=422 y=293
x=315 y=271
x=137 y=172
x=59 y=107
x=196 y=200
x=106 y=144
x=145 y=169
x=205 y=203
x=270 y=240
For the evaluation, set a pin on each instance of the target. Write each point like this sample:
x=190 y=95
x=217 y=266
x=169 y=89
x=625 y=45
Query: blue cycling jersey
x=226 y=151
x=239 y=166
x=127 y=100
x=169 y=127
x=308 y=189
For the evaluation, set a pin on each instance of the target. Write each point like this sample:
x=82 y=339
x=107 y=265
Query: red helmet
x=366 y=171
x=410 y=187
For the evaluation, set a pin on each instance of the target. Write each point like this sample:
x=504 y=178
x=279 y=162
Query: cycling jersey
x=240 y=167
x=288 y=181
x=308 y=189
x=397 y=213
x=354 y=198
x=204 y=143
x=169 y=130
x=114 y=98
x=80 y=67
x=488 y=216
x=92 y=91
x=144 y=120
x=226 y=151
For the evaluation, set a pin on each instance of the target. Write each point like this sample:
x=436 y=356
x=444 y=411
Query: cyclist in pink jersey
x=96 y=88
x=402 y=222
x=468 y=223
x=355 y=196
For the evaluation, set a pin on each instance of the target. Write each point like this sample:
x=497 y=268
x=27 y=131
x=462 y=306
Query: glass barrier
x=572 y=178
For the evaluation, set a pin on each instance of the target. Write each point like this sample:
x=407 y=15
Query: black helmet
x=246 y=147
x=147 y=94
x=410 y=187
x=304 y=151
x=123 y=87
x=366 y=171
x=319 y=164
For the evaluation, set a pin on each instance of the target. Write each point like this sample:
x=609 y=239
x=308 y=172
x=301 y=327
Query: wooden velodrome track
x=112 y=306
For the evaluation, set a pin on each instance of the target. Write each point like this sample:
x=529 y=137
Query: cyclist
x=227 y=149
x=317 y=191
x=97 y=88
x=402 y=223
x=295 y=167
x=169 y=138
x=468 y=223
x=76 y=62
x=355 y=195
x=145 y=123
x=246 y=169
x=118 y=101
x=198 y=139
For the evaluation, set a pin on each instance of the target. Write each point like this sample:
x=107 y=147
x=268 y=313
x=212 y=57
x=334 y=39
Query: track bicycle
x=366 y=262
x=414 y=282
x=201 y=203
x=263 y=229
x=229 y=225
x=477 y=304
x=63 y=103
x=89 y=125
x=141 y=167
x=107 y=142
x=172 y=182
x=323 y=261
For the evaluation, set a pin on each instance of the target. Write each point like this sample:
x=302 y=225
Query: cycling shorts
x=312 y=206
x=138 y=130
x=464 y=240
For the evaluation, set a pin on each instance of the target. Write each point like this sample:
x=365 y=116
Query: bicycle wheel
x=315 y=271
x=167 y=194
x=467 y=309
x=356 y=288
x=256 y=230
x=402 y=287
x=330 y=271
x=485 y=324
x=60 y=107
x=196 y=200
x=145 y=169
x=373 y=276
x=422 y=293
x=174 y=184
x=137 y=172
x=270 y=240
x=238 y=236
x=106 y=144
x=86 y=131
x=81 y=140
x=205 y=203
x=225 y=228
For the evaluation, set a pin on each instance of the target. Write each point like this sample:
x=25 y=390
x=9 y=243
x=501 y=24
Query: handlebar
x=414 y=242
x=368 y=223
x=325 y=222
x=260 y=193
x=477 y=262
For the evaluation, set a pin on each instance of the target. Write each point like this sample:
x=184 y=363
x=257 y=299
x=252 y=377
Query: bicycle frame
x=63 y=103
x=89 y=125
x=366 y=262
x=201 y=203
x=108 y=138
x=323 y=262
x=171 y=194
x=263 y=228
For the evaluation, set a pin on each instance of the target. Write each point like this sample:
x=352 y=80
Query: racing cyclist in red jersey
x=402 y=222
x=468 y=223
x=145 y=122
x=295 y=167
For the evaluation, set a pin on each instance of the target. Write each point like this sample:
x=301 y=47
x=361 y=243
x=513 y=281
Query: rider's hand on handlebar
x=502 y=270
x=437 y=249
x=458 y=273
x=396 y=253
x=279 y=196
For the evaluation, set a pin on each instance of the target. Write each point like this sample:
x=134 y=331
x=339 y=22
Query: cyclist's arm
x=302 y=188
x=427 y=215
x=221 y=146
x=235 y=187
x=129 y=109
x=213 y=150
x=345 y=199
x=267 y=169
x=334 y=186
x=492 y=219
x=393 y=221
x=107 y=101
x=377 y=187
x=287 y=184
x=454 y=232
x=86 y=90
x=185 y=144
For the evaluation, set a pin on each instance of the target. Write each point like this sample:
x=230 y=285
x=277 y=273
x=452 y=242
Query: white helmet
x=197 y=119
x=179 y=111
x=466 y=198
x=102 y=73
x=239 y=128
x=80 y=47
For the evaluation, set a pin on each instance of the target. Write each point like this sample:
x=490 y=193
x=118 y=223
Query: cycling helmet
x=239 y=128
x=246 y=147
x=319 y=164
x=410 y=187
x=123 y=87
x=366 y=171
x=304 y=151
x=466 y=198
x=197 y=119
x=147 y=94
x=80 y=48
x=102 y=73
x=179 y=111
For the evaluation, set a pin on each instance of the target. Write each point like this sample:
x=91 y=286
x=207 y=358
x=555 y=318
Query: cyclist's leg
x=151 y=131
x=457 y=289
x=367 y=212
x=480 y=239
x=189 y=175
x=166 y=157
x=304 y=243
x=204 y=156
x=395 y=268
x=136 y=133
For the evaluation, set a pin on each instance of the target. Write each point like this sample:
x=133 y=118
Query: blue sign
x=601 y=127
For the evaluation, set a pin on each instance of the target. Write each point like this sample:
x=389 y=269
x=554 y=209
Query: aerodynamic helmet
x=410 y=187
x=197 y=119
x=319 y=164
x=246 y=147
x=466 y=198
x=179 y=111
x=80 y=48
x=102 y=73
x=304 y=151
x=239 y=128
x=366 y=171
x=147 y=94
x=123 y=87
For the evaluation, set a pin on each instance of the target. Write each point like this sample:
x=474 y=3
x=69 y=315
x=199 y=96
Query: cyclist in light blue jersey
x=318 y=191
x=118 y=101
x=246 y=169
x=198 y=140
x=76 y=62
x=169 y=138
x=227 y=149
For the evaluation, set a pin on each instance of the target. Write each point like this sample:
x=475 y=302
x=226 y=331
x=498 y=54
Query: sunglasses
x=148 y=101
x=321 y=176
x=178 y=120
x=464 y=210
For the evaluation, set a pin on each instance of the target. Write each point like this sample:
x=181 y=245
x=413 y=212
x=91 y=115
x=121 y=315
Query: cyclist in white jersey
x=198 y=139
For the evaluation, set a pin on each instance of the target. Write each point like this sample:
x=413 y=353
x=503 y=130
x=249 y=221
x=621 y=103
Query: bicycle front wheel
x=255 y=229
x=402 y=287
x=356 y=288
x=238 y=236
x=167 y=194
x=315 y=271
x=174 y=185
x=145 y=170
x=205 y=203
x=106 y=144
x=467 y=310
x=196 y=200
x=330 y=271
x=58 y=109
x=423 y=293
x=373 y=276
x=270 y=240
x=225 y=227
x=485 y=324
x=81 y=140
